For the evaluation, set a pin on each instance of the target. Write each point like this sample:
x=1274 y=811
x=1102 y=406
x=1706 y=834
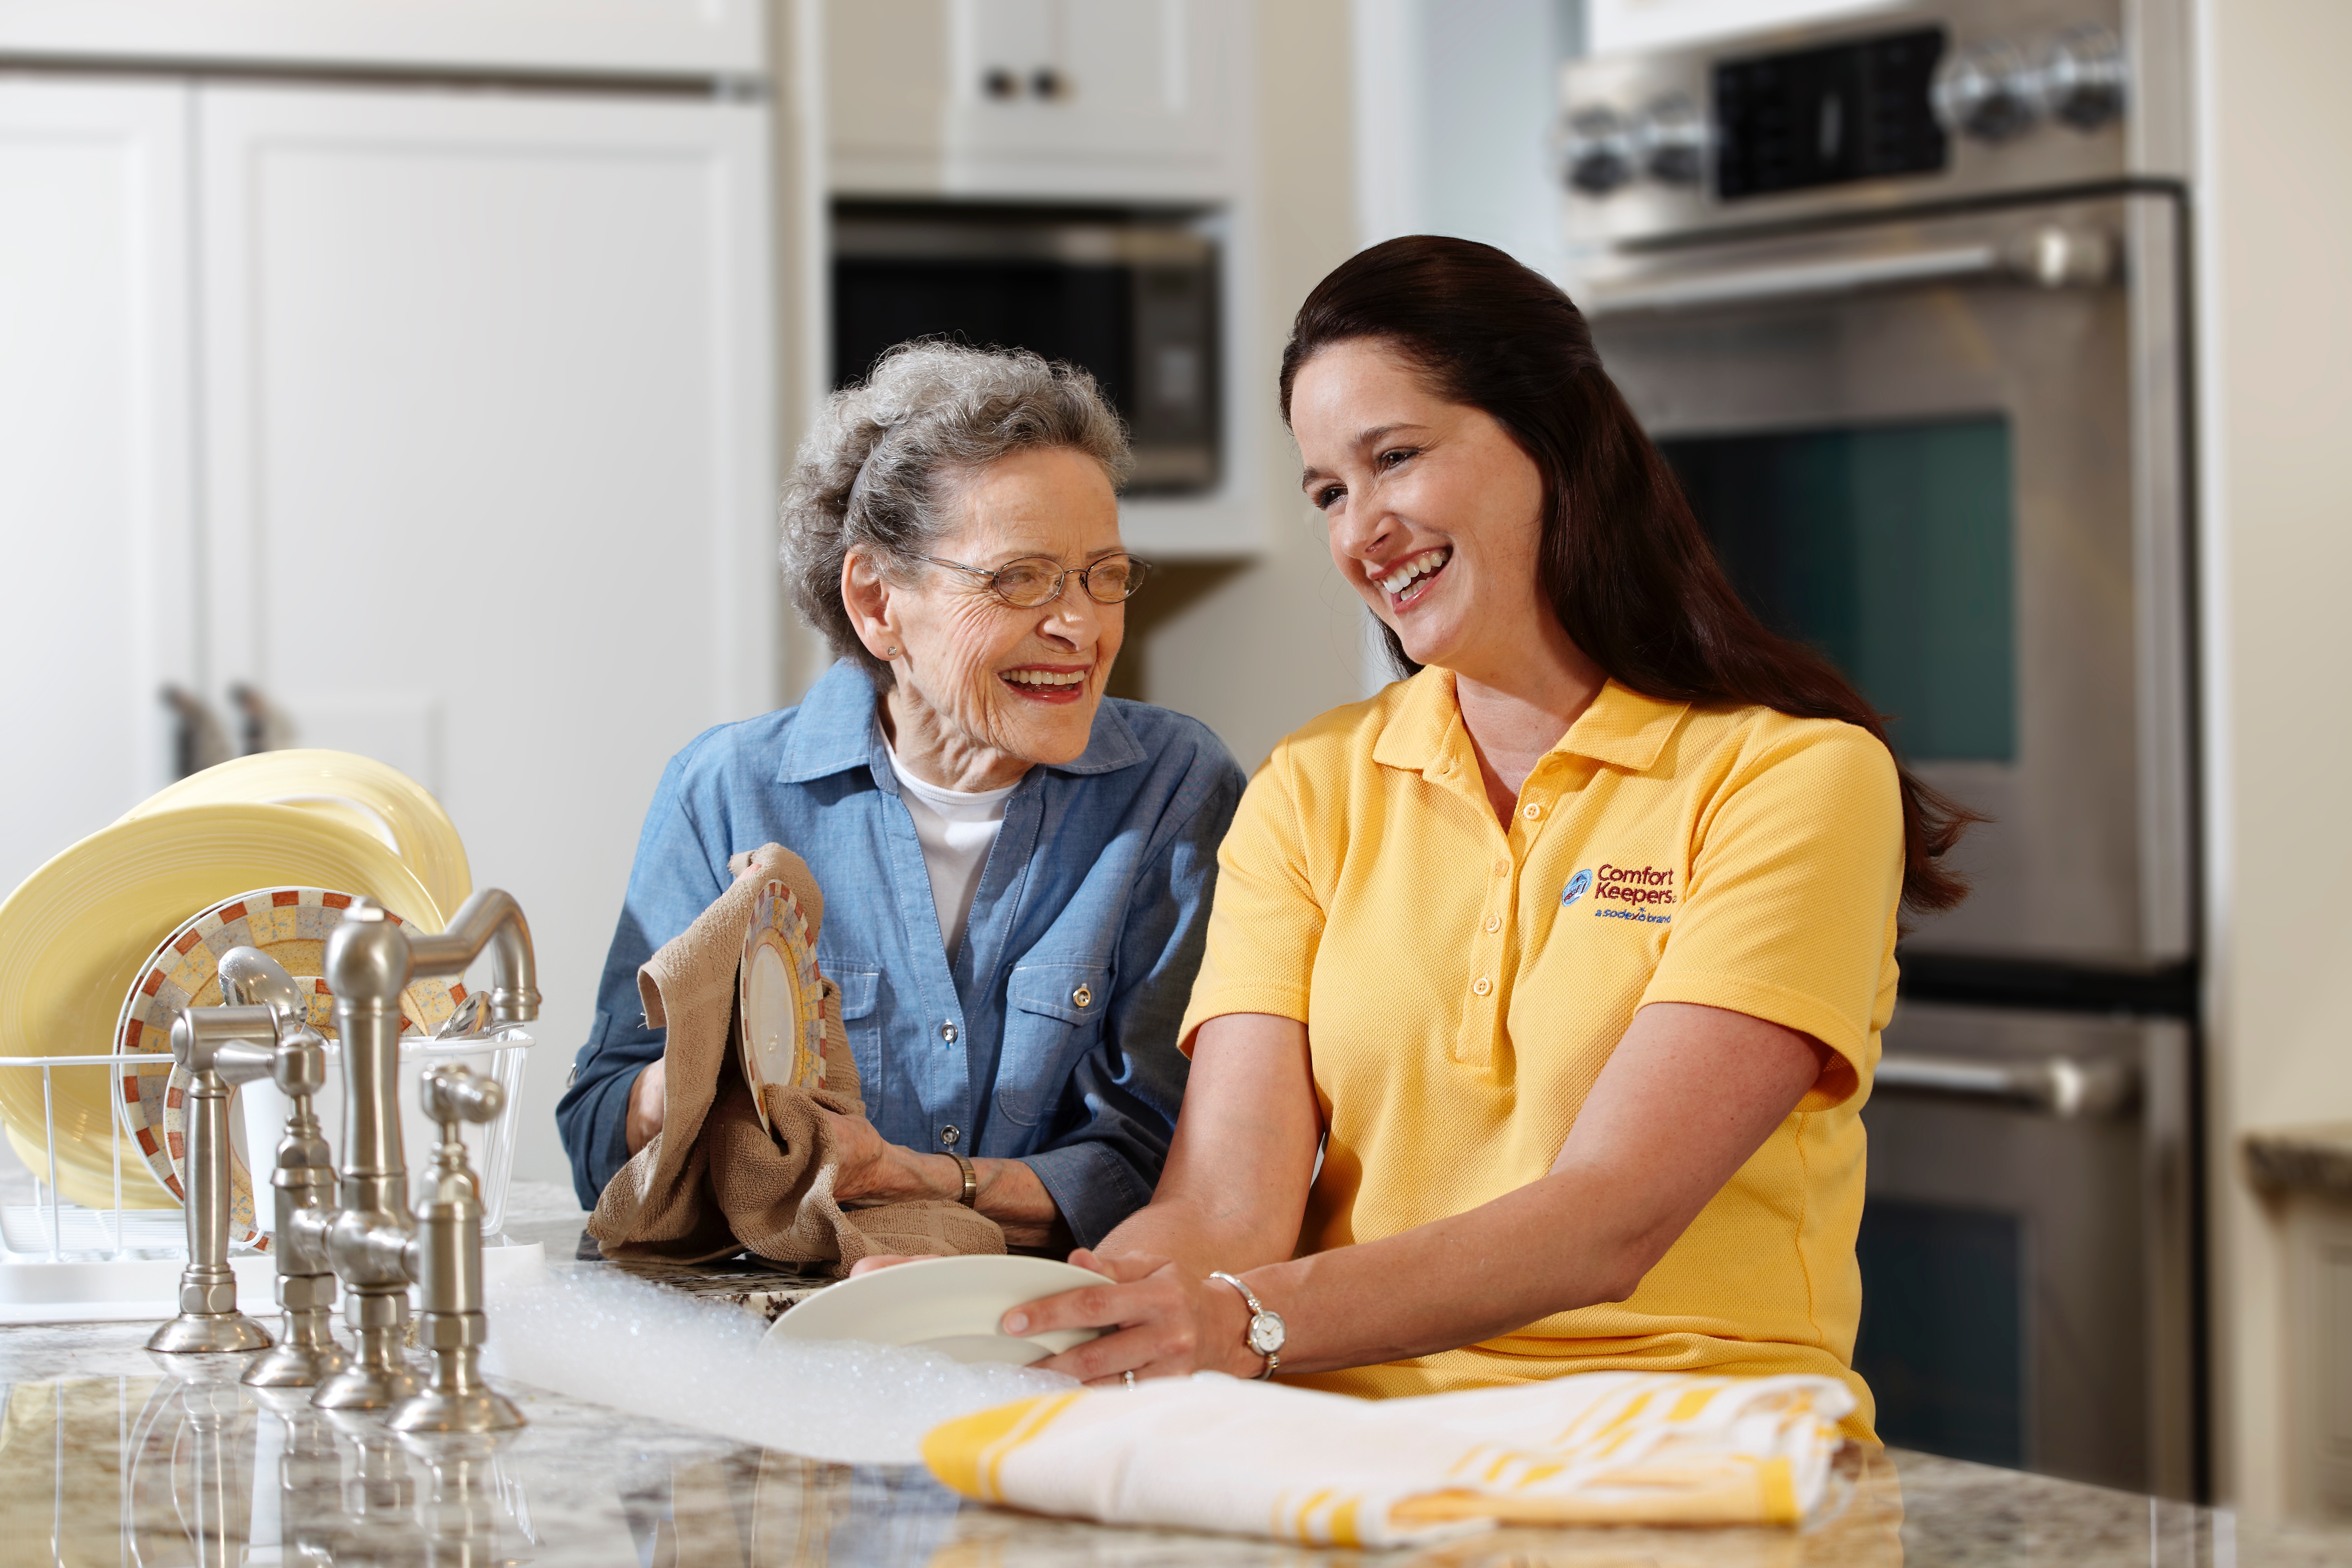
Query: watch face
x=1265 y=1333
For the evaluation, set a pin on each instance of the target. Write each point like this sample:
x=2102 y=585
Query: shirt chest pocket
x=1053 y=1017
x=861 y=1020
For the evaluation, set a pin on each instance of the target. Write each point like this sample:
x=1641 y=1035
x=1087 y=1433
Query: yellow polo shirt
x=1462 y=985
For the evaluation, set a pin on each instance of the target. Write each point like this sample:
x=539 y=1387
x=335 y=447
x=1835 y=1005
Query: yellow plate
x=78 y=931
x=361 y=792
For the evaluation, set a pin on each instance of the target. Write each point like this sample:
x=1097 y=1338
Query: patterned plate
x=289 y=924
x=780 y=1012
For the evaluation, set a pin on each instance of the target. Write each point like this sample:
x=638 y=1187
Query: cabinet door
x=1090 y=81
x=94 y=482
x=488 y=463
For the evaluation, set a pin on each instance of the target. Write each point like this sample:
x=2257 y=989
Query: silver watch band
x=1257 y=1309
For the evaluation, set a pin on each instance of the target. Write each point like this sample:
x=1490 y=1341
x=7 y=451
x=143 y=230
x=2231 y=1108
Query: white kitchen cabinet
x=96 y=508
x=1035 y=100
x=487 y=461
x=614 y=37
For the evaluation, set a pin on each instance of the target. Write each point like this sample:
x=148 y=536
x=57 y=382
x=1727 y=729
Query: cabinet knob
x=1048 y=83
x=999 y=83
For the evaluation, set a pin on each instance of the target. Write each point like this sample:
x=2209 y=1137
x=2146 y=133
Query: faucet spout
x=489 y=918
x=372 y=1239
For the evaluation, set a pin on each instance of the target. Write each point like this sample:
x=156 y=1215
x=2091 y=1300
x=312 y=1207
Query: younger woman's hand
x=1159 y=1322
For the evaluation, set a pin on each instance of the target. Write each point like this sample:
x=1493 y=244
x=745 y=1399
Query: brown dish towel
x=713 y=1181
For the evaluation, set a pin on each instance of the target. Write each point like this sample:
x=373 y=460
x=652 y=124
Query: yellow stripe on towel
x=969 y=1452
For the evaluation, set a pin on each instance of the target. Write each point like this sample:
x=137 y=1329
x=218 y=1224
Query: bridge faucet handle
x=300 y=1066
x=452 y=1093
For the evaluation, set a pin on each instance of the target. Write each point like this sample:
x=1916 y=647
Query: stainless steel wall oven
x=1130 y=297
x=1902 y=299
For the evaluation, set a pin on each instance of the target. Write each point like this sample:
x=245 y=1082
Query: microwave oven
x=1130 y=298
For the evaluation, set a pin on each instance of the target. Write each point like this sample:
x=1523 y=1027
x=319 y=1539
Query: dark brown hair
x=1625 y=566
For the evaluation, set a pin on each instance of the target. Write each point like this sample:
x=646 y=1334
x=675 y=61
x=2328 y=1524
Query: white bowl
x=948 y=1304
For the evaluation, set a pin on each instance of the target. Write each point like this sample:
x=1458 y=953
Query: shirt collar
x=837 y=728
x=1622 y=728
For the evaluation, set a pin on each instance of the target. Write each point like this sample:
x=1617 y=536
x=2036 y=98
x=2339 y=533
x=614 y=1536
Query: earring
x=892 y=654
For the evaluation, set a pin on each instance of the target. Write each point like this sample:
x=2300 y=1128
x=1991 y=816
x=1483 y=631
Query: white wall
x=1455 y=103
x=2277 y=396
x=1278 y=640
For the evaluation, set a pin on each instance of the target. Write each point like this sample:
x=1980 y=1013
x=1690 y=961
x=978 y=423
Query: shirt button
x=947 y=1033
x=1493 y=923
x=950 y=1136
x=1531 y=810
x=1083 y=996
x=1482 y=985
x=1502 y=867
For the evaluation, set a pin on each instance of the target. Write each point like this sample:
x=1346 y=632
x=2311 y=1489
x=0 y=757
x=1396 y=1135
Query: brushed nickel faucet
x=220 y=1047
x=372 y=1239
x=365 y=1237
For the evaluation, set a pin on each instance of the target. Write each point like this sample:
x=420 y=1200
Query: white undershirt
x=958 y=828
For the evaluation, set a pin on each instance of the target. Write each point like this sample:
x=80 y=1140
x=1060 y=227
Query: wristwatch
x=1265 y=1333
x=970 y=1198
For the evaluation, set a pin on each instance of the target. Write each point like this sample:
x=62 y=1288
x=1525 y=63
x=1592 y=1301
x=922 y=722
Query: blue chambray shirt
x=1050 y=1038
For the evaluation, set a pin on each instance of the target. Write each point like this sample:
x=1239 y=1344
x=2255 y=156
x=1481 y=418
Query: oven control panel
x=1916 y=104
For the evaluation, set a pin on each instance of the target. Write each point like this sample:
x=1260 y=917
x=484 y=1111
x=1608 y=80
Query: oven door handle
x=2056 y=1086
x=2053 y=257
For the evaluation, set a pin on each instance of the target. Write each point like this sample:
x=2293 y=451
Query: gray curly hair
x=881 y=465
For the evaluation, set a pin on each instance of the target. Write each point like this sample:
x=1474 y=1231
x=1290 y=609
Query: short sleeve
x=1789 y=915
x=1266 y=921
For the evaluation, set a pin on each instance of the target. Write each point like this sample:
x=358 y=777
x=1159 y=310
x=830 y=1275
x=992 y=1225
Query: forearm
x=1237 y=1173
x=1689 y=1095
x=1454 y=1281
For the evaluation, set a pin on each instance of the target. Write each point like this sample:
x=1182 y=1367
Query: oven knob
x=2082 y=77
x=1596 y=150
x=1987 y=91
x=1671 y=138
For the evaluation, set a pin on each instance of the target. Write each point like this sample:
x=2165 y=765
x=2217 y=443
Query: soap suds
x=603 y=1336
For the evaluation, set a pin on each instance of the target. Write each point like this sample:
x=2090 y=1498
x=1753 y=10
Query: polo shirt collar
x=837 y=728
x=1622 y=728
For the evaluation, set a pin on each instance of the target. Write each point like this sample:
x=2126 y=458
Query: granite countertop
x=2301 y=1158
x=110 y=1453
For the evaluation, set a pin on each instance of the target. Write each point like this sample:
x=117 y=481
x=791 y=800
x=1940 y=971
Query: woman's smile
x=1056 y=685
x=1408 y=582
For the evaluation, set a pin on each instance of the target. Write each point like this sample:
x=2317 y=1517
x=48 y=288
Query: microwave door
x=1950 y=477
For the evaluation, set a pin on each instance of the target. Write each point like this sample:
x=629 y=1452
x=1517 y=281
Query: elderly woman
x=1016 y=869
x=1570 y=953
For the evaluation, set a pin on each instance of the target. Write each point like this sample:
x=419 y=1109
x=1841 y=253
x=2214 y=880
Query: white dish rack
x=66 y=1262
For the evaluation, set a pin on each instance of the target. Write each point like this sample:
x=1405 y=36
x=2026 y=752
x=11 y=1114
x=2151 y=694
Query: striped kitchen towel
x=1212 y=1452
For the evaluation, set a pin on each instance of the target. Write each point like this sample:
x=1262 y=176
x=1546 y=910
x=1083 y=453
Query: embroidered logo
x=1643 y=893
x=1577 y=886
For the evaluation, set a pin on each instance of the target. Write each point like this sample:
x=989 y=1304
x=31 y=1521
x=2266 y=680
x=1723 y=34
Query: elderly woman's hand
x=1159 y=1322
x=870 y=1169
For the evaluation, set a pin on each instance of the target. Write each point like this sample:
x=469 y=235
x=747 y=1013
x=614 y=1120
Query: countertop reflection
x=110 y=1454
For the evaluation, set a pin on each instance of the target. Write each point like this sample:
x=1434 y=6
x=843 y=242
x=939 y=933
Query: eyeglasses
x=1034 y=579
